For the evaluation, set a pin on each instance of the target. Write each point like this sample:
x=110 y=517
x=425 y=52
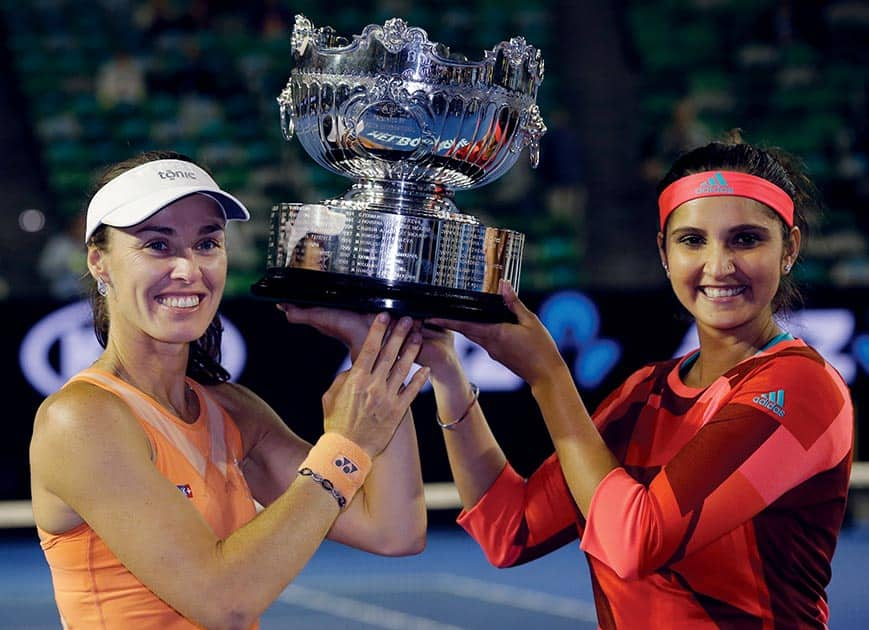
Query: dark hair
x=203 y=360
x=772 y=164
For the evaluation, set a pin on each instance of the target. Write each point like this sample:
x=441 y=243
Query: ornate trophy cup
x=410 y=124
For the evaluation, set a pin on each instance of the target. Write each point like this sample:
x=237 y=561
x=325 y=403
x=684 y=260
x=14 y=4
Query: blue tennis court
x=449 y=586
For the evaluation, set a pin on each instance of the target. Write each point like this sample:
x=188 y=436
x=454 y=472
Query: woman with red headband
x=707 y=491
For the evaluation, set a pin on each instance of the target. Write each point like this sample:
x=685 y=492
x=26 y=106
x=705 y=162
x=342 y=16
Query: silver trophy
x=410 y=123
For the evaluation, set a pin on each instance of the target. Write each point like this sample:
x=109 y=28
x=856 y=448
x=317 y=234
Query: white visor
x=135 y=195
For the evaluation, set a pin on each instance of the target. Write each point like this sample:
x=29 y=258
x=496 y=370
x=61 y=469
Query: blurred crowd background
x=629 y=84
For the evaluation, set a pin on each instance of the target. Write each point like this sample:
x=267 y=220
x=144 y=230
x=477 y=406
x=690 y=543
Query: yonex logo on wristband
x=334 y=452
x=346 y=465
x=715 y=184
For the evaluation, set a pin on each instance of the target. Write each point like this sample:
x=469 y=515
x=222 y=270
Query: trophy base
x=306 y=287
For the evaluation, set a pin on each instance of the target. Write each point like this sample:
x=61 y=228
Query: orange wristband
x=340 y=461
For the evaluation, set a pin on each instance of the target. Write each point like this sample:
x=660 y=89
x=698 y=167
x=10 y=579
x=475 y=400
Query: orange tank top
x=91 y=586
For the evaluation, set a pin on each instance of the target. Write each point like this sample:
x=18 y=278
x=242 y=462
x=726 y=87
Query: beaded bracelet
x=307 y=472
x=475 y=393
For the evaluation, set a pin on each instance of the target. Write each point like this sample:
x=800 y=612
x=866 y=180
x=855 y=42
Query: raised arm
x=528 y=350
x=513 y=519
x=475 y=457
x=388 y=515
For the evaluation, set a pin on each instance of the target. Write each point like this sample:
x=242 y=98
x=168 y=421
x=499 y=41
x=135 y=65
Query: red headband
x=724 y=183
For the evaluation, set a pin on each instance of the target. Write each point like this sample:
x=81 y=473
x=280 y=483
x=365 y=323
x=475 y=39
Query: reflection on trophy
x=410 y=124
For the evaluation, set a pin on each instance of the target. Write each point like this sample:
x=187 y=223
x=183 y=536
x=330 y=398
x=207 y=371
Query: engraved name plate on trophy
x=409 y=124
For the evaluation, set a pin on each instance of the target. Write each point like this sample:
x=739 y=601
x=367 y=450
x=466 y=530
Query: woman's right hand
x=367 y=402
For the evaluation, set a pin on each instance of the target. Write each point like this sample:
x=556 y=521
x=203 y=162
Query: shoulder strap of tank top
x=214 y=417
x=149 y=411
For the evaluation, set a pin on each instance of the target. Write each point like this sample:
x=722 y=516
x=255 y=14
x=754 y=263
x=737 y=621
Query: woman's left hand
x=526 y=347
x=348 y=327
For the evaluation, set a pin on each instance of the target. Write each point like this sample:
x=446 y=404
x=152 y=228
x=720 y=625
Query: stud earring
x=666 y=269
x=787 y=268
x=102 y=287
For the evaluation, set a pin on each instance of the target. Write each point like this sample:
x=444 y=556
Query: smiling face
x=725 y=257
x=165 y=275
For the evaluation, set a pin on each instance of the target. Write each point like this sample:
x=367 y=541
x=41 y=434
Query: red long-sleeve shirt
x=725 y=510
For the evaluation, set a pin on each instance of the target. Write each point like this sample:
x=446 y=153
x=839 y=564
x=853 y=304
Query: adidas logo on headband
x=715 y=185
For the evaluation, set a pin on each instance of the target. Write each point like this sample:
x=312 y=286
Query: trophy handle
x=285 y=101
x=533 y=129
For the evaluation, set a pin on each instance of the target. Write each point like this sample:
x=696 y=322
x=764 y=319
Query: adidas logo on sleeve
x=774 y=401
